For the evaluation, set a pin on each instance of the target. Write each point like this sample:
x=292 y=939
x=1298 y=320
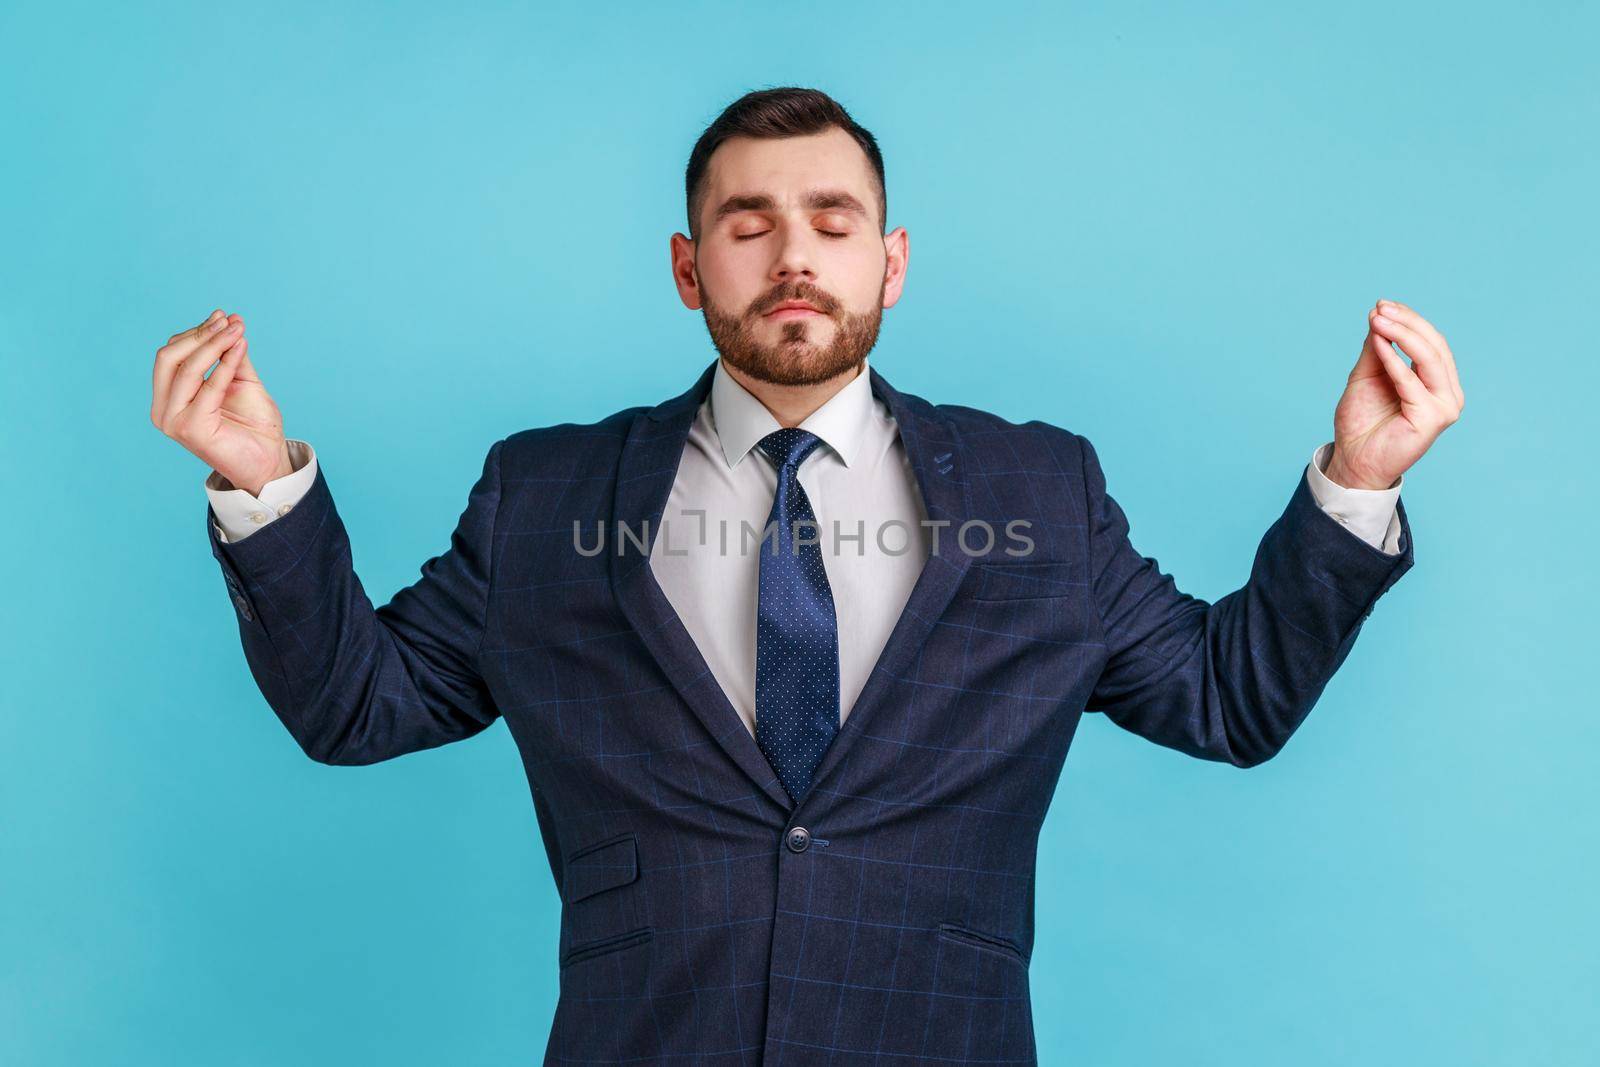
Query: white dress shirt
x=706 y=556
x=859 y=478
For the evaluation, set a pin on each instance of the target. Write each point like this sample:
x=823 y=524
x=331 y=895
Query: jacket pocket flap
x=981 y=940
x=600 y=866
x=1025 y=581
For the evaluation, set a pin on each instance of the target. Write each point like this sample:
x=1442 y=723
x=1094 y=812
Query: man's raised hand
x=228 y=419
x=1390 y=414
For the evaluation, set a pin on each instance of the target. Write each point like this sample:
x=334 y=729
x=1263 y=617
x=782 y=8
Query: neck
x=792 y=404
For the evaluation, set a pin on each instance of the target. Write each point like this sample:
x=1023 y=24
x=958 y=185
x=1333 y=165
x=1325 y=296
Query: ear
x=684 y=273
x=897 y=253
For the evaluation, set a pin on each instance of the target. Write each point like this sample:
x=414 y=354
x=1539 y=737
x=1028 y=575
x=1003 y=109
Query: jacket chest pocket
x=1044 y=604
x=603 y=865
x=1029 y=580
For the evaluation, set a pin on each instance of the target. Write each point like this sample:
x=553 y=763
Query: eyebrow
x=815 y=199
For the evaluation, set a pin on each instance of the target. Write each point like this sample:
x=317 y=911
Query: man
x=791 y=790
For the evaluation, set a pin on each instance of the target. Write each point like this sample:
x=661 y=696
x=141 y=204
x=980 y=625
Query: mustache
x=811 y=295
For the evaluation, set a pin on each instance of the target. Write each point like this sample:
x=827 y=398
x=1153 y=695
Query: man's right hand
x=228 y=420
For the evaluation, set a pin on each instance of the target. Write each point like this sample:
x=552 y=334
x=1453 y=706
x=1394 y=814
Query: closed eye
x=763 y=233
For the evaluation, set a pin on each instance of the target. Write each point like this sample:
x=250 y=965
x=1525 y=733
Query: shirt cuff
x=1368 y=513
x=240 y=514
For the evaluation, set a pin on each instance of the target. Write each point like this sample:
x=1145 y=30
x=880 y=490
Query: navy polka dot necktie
x=797 y=634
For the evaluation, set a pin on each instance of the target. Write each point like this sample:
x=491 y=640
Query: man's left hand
x=1390 y=413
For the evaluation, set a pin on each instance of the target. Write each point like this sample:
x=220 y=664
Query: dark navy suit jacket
x=699 y=923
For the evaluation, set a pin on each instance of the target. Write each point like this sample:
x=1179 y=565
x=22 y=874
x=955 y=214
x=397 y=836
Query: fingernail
x=219 y=324
x=1381 y=321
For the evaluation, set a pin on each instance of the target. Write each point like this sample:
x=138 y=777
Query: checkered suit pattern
x=699 y=923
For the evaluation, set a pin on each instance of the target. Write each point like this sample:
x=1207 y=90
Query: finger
x=1408 y=316
x=1367 y=364
x=213 y=317
x=170 y=356
x=215 y=389
x=187 y=380
x=216 y=313
x=184 y=341
x=1406 y=383
x=195 y=329
x=247 y=370
x=1425 y=359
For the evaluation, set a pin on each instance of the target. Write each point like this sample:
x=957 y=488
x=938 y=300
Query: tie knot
x=786 y=448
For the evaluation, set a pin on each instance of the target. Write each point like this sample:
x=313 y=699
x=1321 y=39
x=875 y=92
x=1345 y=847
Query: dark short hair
x=788 y=111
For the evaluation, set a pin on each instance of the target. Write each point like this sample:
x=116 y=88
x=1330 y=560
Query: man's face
x=791 y=219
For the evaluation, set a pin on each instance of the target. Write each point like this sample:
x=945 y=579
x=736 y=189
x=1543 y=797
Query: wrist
x=1341 y=475
x=285 y=468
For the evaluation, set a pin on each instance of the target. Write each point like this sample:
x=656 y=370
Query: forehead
x=785 y=167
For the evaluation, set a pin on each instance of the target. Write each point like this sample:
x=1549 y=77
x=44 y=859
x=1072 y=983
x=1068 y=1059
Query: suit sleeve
x=240 y=514
x=1230 y=680
x=352 y=683
x=1368 y=513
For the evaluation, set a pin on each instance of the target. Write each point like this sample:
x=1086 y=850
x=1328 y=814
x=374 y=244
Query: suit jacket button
x=243 y=605
x=798 y=839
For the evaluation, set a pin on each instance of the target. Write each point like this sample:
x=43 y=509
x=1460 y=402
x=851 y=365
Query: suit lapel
x=650 y=459
x=935 y=452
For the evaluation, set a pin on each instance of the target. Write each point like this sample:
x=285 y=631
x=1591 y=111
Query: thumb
x=211 y=394
x=246 y=371
x=1369 y=363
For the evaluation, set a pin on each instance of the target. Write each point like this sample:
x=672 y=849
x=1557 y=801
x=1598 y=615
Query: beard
x=795 y=358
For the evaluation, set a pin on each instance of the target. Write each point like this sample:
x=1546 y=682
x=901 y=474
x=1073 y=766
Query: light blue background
x=1159 y=226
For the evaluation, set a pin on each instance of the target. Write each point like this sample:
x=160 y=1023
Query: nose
x=794 y=258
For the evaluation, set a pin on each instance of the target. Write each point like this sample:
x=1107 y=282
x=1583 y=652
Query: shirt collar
x=740 y=420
